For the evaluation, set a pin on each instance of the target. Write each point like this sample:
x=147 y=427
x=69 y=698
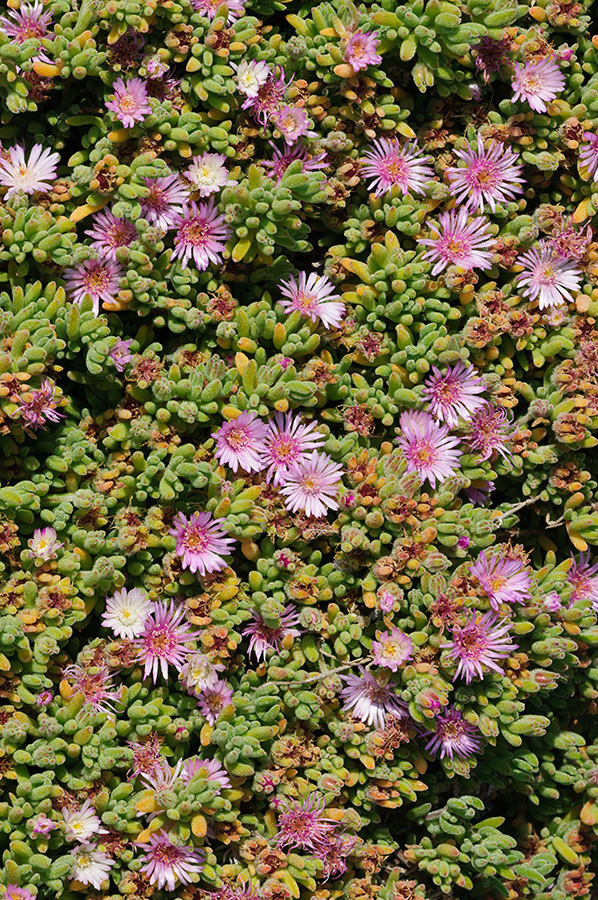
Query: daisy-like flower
x=282 y=159
x=482 y=641
x=29 y=175
x=251 y=76
x=81 y=824
x=200 y=233
x=91 y=866
x=262 y=637
x=165 y=863
x=454 y=736
x=166 y=200
x=453 y=395
x=552 y=602
x=110 y=234
x=312 y=486
x=503 y=580
x=199 y=674
x=201 y=542
x=131 y=102
x=40 y=406
x=490 y=432
x=95 y=684
x=13 y=892
x=392 y=649
x=208 y=8
x=43 y=825
x=302 y=824
x=548 y=278
x=480 y=494
x=209 y=768
x=287 y=443
x=458 y=243
x=43 y=544
x=208 y=173
x=369 y=699
x=164 y=640
x=588 y=154
x=584 y=579
x=389 y=164
x=162 y=777
x=93 y=278
x=489 y=176
x=313 y=296
x=269 y=98
x=428 y=447
x=291 y=121
x=28 y=21
x=127 y=613
x=214 y=700
x=537 y=83
x=360 y=51
x=121 y=355
x=240 y=443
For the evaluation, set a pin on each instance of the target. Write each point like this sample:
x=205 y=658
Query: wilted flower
x=262 y=637
x=503 y=580
x=121 y=355
x=164 y=640
x=127 y=612
x=131 y=102
x=458 y=242
x=302 y=824
x=91 y=866
x=95 y=684
x=211 y=767
x=537 y=83
x=480 y=642
x=209 y=8
x=490 y=431
x=199 y=674
x=165 y=863
x=29 y=175
x=282 y=159
x=41 y=407
x=313 y=296
x=588 y=153
x=454 y=736
x=370 y=699
x=489 y=176
x=43 y=544
x=43 y=825
x=81 y=824
x=311 y=486
x=453 y=395
x=428 y=447
x=584 y=579
x=548 y=278
x=389 y=164
x=201 y=542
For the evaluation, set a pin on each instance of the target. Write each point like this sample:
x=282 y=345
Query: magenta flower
x=537 y=83
x=547 y=278
x=121 y=355
x=454 y=736
x=428 y=447
x=41 y=407
x=490 y=432
x=503 y=580
x=282 y=159
x=164 y=640
x=480 y=494
x=588 y=154
x=12 y=892
x=480 y=642
x=389 y=164
x=214 y=700
x=201 y=542
x=166 y=200
x=208 y=173
x=371 y=699
x=251 y=76
x=360 y=51
x=199 y=674
x=93 y=278
x=43 y=544
x=459 y=243
x=262 y=637
x=287 y=443
x=454 y=395
x=165 y=863
x=240 y=443
x=584 y=579
x=110 y=234
x=291 y=121
x=95 y=684
x=312 y=486
x=334 y=851
x=200 y=232
x=29 y=21
x=313 y=296
x=392 y=649
x=131 y=102
x=209 y=768
x=29 y=175
x=302 y=824
x=208 y=8
x=489 y=176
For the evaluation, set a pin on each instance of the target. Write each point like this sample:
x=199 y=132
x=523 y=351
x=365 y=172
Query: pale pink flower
x=240 y=443
x=503 y=580
x=370 y=699
x=312 y=486
x=43 y=825
x=41 y=407
x=13 y=892
x=251 y=76
x=164 y=640
x=588 y=154
x=81 y=824
x=96 y=685
x=360 y=51
x=429 y=448
x=490 y=432
x=453 y=394
x=199 y=674
x=584 y=579
x=43 y=545
x=548 y=278
x=392 y=649
x=537 y=83
x=282 y=159
x=263 y=638
x=208 y=768
x=214 y=700
x=302 y=824
x=202 y=542
x=458 y=242
x=287 y=443
x=146 y=757
x=313 y=296
x=489 y=176
x=208 y=8
x=165 y=863
x=91 y=866
x=208 y=173
x=454 y=736
x=110 y=234
x=166 y=200
x=29 y=175
x=482 y=641
x=28 y=21
x=389 y=164
x=93 y=278
x=291 y=121
x=200 y=235
x=131 y=102
x=121 y=355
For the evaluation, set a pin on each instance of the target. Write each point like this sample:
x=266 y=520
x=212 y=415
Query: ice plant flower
x=110 y=233
x=81 y=824
x=199 y=674
x=490 y=176
x=262 y=637
x=214 y=700
x=491 y=55
x=131 y=102
x=36 y=173
x=200 y=233
x=490 y=431
x=313 y=296
x=548 y=278
x=208 y=173
x=201 y=542
x=371 y=699
x=537 y=83
x=392 y=649
x=146 y=757
x=121 y=355
x=311 y=486
x=552 y=602
x=302 y=824
x=282 y=159
x=43 y=544
x=269 y=99
x=91 y=866
x=588 y=154
x=93 y=278
x=127 y=613
x=166 y=200
x=39 y=406
x=454 y=394
x=334 y=852
x=209 y=768
x=584 y=579
x=12 y=892
x=480 y=494
x=482 y=641
x=291 y=121
x=454 y=736
x=251 y=75
x=164 y=640
x=209 y=8
x=165 y=862
x=390 y=165
x=503 y=580
x=43 y=825
x=240 y=443
x=458 y=242
x=360 y=51
x=428 y=447
x=28 y=21
x=95 y=684
x=287 y=443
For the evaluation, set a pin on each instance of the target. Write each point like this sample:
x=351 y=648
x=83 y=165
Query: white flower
x=82 y=824
x=208 y=173
x=127 y=612
x=91 y=866
x=34 y=174
x=251 y=76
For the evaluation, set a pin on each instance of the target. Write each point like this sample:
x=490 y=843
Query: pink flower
x=552 y=602
x=240 y=443
x=208 y=8
x=263 y=637
x=43 y=825
x=166 y=863
x=480 y=494
x=12 y=892
x=282 y=159
x=200 y=232
x=489 y=176
x=209 y=768
x=313 y=296
x=454 y=736
x=371 y=699
x=214 y=700
x=490 y=432
x=491 y=55
x=146 y=757
x=482 y=641
x=392 y=649
x=130 y=103
x=43 y=544
x=41 y=407
x=269 y=98
x=208 y=173
x=311 y=486
x=28 y=175
x=389 y=164
x=360 y=51
x=547 y=278
x=503 y=580
x=588 y=154
x=536 y=83
x=165 y=201
x=201 y=542
x=287 y=443
x=302 y=824
x=110 y=234
x=29 y=21
x=95 y=684
x=164 y=640
x=459 y=243
x=584 y=579
x=121 y=355
x=428 y=447
x=454 y=394
x=334 y=851
x=291 y=121
x=93 y=278
x=251 y=76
